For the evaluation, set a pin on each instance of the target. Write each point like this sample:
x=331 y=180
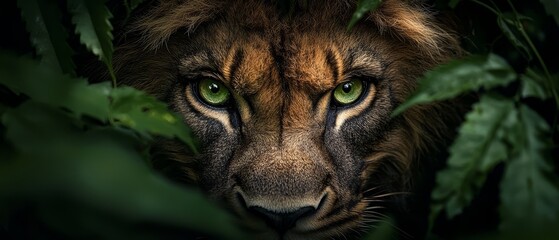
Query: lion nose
x=282 y=221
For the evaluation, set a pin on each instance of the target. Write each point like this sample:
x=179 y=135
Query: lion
x=293 y=110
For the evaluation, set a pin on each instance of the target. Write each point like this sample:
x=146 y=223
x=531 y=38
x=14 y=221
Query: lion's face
x=293 y=112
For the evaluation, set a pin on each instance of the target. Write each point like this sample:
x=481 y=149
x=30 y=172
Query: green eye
x=213 y=92
x=348 y=92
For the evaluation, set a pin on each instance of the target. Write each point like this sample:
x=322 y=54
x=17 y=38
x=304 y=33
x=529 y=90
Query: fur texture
x=282 y=143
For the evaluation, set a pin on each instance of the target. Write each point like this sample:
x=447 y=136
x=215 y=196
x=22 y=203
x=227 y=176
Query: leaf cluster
x=506 y=130
x=75 y=155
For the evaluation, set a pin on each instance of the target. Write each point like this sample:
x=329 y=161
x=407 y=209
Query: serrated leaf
x=477 y=149
x=532 y=85
x=458 y=77
x=45 y=85
x=363 y=7
x=48 y=35
x=91 y=18
x=511 y=34
x=552 y=8
x=146 y=115
x=529 y=189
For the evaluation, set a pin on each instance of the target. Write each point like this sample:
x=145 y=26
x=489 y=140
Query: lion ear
x=166 y=17
x=411 y=22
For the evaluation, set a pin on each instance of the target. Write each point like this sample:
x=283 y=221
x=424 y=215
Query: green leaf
x=458 y=77
x=477 y=149
x=529 y=189
x=48 y=35
x=363 y=7
x=503 y=21
x=552 y=8
x=45 y=85
x=123 y=106
x=533 y=85
x=146 y=115
x=94 y=184
x=91 y=18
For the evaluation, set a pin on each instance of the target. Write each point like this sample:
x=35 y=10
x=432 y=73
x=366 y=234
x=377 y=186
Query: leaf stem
x=550 y=84
x=112 y=74
x=487 y=6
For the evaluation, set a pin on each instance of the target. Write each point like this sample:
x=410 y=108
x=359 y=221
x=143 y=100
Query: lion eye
x=348 y=92
x=213 y=92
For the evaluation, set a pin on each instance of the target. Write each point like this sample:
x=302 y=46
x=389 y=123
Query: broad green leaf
x=511 y=34
x=120 y=106
x=45 y=85
x=91 y=18
x=94 y=184
x=532 y=85
x=48 y=35
x=145 y=114
x=552 y=8
x=458 y=77
x=530 y=188
x=363 y=7
x=477 y=149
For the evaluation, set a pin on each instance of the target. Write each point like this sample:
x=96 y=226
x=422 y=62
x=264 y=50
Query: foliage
x=504 y=129
x=68 y=142
x=65 y=143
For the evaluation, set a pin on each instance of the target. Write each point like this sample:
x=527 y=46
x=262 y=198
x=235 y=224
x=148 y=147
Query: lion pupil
x=214 y=88
x=347 y=87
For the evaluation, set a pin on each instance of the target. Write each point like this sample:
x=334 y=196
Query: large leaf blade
x=530 y=189
x=91 y=18
x=55 y=89
x=146 y=115
x=458 y=77
x=48 y=35
x=84 y=171
x=123 y=106
x=477 y=149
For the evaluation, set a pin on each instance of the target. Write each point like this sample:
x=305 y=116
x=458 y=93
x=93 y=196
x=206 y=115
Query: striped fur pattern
x=282 y=143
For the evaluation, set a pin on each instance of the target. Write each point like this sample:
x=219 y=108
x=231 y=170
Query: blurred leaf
x=453 y=3
x=477 y=149
x=91 y=18
x=45 y=85
x=48 y=35
x=123 y=106
x=85 y=182
x=552 y=8
x=529 y=189
x=460 y=76
x=145 y=114
x=533 y=85
x=511 y=35
x=384 y=231
x=363 y=7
